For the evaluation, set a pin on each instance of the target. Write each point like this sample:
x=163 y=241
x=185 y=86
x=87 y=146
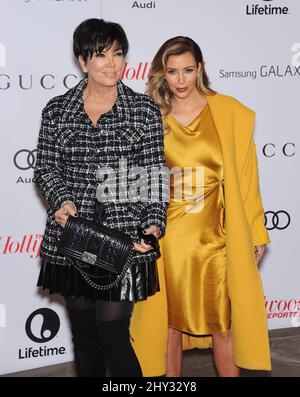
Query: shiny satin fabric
x=244 y=228
x=194 y=243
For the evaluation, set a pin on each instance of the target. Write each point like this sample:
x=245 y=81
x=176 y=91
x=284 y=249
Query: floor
x=285 y=348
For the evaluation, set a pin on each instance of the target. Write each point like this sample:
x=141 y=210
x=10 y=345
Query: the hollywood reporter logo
x=28 y=244
x=283 y=309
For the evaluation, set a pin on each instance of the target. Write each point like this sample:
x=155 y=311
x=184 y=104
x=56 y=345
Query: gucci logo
x=288 y=149
x=25 y=159
x=277 y=220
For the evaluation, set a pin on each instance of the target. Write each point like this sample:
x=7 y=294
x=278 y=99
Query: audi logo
x=25 y=159
x=277 y=220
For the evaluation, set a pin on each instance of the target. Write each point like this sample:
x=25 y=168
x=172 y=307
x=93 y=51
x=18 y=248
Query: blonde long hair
x=157 y=85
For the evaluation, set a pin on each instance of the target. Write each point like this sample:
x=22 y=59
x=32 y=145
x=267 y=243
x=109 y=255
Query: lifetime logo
x=266 y=9
x=2 y=315
x=2 y=56
x=42 y=325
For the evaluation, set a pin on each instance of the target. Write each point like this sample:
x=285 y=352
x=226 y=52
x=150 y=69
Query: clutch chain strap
x=111 y=285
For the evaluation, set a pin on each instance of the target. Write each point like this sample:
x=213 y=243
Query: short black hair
x=95 y=35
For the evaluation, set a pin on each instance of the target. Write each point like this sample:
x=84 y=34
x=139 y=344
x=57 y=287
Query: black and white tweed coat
x=70 y=151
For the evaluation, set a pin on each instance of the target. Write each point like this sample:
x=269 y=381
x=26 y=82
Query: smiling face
x=104 y=68
x=181 y=74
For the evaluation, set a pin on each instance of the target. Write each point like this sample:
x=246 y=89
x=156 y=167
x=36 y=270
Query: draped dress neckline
x=194 y=124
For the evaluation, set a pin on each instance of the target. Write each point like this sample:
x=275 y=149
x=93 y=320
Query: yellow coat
x=244 y=229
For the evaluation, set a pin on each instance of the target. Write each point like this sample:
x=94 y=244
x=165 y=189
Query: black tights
x=101 y=338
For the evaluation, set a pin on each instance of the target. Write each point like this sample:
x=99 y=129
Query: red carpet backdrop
x=252 y=52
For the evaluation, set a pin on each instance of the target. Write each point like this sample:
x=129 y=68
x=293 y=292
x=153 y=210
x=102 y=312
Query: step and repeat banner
x=252 y=52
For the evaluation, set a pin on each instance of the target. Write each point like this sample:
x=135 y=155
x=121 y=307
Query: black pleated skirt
x=137 y=284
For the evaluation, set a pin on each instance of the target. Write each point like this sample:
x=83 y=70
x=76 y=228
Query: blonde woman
x=214 y=237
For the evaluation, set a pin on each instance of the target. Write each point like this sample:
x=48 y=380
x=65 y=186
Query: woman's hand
x=261 y=249
x=142 y=247
x=67 y=208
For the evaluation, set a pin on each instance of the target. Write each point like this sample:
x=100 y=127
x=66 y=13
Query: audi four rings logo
x=25 y=159
x=42 y=325
x=277 y=220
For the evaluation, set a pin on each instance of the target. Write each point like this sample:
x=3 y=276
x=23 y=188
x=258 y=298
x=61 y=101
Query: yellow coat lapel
x=234 y=123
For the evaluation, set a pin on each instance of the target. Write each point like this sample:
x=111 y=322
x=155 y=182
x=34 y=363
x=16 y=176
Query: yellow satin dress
x=194 y=251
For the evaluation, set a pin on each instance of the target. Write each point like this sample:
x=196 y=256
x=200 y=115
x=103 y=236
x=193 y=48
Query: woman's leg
x=113 y=321
x=223 y=355
x=89 y=359
x=174 y=354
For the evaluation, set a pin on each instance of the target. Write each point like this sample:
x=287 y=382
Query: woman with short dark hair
x=94 y=126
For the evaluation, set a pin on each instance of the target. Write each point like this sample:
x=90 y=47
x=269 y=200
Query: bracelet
x=68 y=202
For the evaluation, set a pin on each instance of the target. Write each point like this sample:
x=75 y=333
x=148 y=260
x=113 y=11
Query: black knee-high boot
x=114 y=339
x=88 y=356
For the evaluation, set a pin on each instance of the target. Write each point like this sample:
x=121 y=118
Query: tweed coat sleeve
x=49 y=170
x=152 y=159
x=252 y=198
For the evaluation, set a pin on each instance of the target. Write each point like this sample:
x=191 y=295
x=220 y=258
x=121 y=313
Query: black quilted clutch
x=98 y=252
x=95 y=250
x=95 y=245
